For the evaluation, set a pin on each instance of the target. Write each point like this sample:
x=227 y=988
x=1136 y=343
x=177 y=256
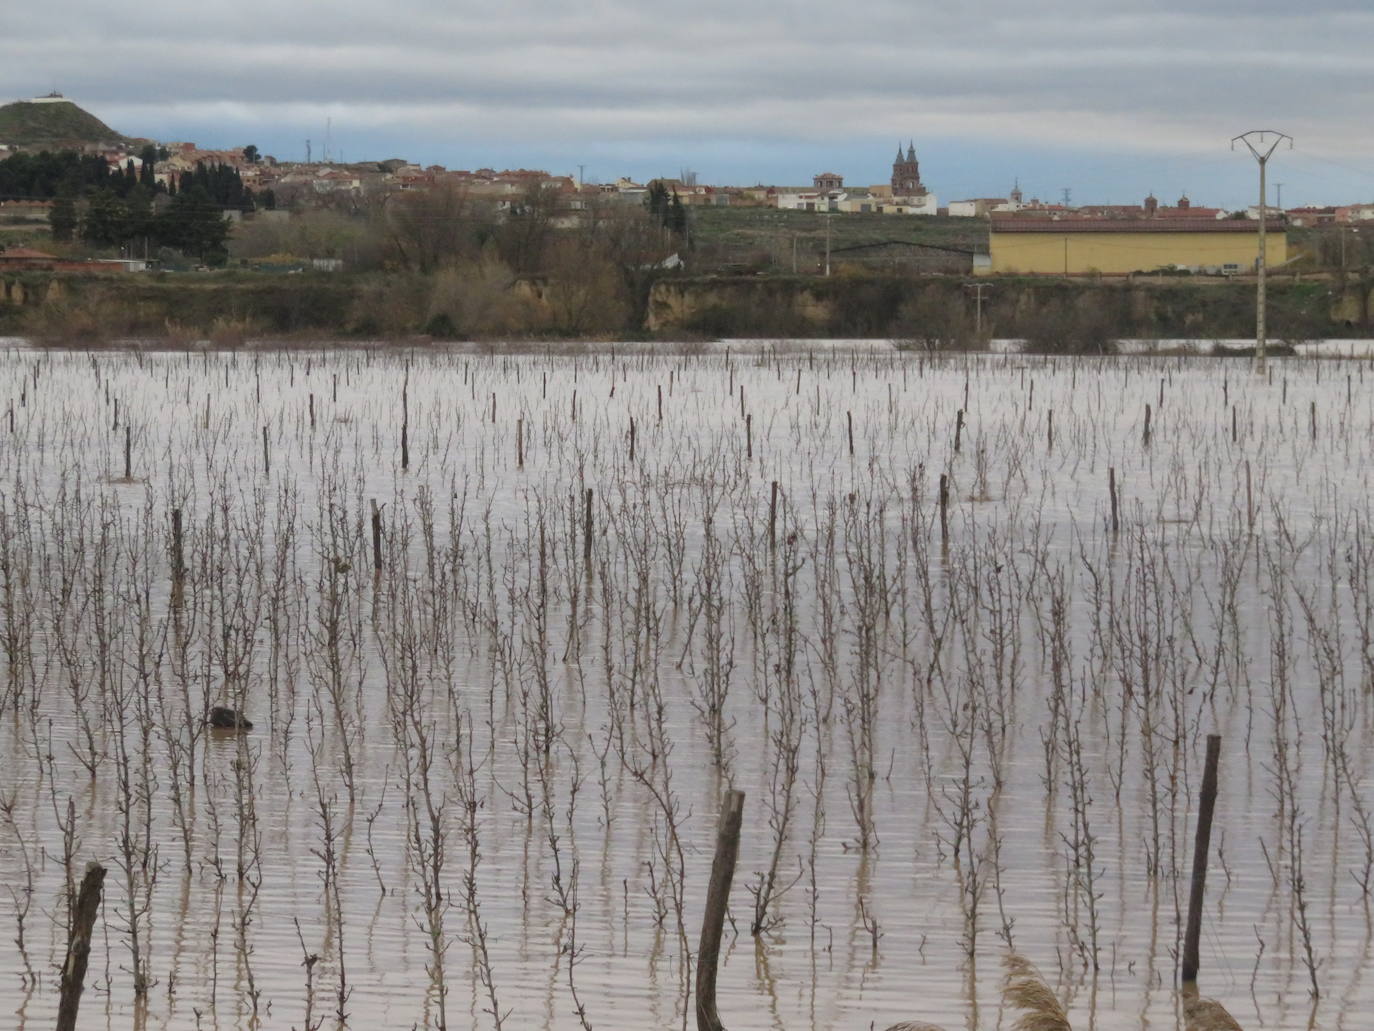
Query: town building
x=1112 y=246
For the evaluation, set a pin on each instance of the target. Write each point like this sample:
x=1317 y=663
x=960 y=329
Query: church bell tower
x=906 y=173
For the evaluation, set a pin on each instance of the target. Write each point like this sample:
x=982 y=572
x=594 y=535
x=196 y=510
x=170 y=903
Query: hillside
x=52 y=124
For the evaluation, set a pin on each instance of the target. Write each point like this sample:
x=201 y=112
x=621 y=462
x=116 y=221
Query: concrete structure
x=923 y=204
x=811 y=200
x=976 y=207
x=1077 y=247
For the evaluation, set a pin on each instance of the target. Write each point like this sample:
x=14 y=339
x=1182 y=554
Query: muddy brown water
x=1015 y=720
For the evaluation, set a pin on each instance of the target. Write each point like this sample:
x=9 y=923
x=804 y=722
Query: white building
x=812 y=200
x=920 y=204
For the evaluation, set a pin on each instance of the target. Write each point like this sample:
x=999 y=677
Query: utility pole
x=1261 y=150
x=827 y=244
x=977 y=289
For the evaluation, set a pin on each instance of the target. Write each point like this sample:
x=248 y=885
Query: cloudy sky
x=1106 y=99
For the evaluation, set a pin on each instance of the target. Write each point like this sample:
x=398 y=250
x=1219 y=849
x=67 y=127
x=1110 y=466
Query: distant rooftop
x=1128 y=225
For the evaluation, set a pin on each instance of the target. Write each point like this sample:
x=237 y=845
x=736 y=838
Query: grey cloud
x=654 y=71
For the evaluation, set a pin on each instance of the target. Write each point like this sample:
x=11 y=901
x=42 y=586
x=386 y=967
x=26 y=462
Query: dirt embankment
x=939 y=310
x=945 y=308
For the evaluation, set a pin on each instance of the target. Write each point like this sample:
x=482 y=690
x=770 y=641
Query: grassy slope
x=65 y=124
x=745 y=230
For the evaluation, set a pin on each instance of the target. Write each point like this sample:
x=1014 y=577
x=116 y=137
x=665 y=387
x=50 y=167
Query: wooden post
x=849 y=416
x=1249 y=500
x=1206 y=805
x=1111 y=489
x=128 y=452
x=376 y=538
x=312 y=411
x=178 y=555
x=79 y=946
x=405 y=423
x=717 y=901
x=1145 y=440
x=958 y=427
x=587 y=529
x=1049 y=430
x=749 y=437
x=266 y=455
x=944 y=510
x=520 y=443
x=632 y=440
x=773 y=516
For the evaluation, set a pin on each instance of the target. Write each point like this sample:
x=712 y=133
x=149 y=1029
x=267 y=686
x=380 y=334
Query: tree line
x=106 y=205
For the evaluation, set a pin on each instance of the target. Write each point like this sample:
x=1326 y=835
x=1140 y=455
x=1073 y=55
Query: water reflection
x=481 y=784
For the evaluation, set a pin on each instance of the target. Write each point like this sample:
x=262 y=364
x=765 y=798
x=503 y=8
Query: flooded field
x=507 y=627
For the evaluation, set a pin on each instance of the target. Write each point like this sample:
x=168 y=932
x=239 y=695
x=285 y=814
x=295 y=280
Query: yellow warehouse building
x=1081 y=247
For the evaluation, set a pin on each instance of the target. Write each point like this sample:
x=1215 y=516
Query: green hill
x=52 y=124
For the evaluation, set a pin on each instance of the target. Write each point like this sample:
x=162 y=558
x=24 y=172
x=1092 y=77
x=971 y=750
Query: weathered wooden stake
x=749 y=436
x=632 y=440
x=79 y=946
x=717 y=901
x=178 y=554
x=520 y=443
x=849 y=416
x=376 y=538
x=1145 y=439
x=128 y=452
x=1249 y=501
x=773 y=515
x=1206 y=805
x=1111 y=490
x=944 y=510
x=587 y=529
x=1049 y=430
x=958 y=428
x=266 y=455
x=312 y=411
